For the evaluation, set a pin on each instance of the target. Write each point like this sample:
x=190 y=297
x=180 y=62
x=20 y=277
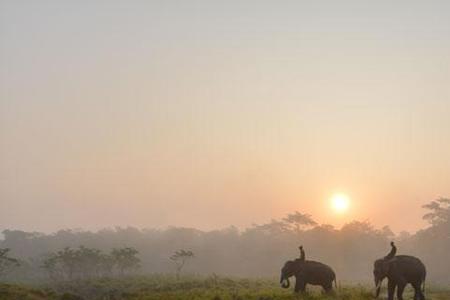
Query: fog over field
x=258 y=251
x=224 y=150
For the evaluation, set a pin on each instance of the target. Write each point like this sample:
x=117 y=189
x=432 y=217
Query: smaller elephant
x=400 y=270
x=307 y=272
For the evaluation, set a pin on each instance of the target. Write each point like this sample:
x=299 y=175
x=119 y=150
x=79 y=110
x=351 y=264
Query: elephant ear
x=390 y=266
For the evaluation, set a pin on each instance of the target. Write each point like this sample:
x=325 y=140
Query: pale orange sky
x=208 y=114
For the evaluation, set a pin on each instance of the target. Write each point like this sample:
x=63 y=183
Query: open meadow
x=190 y=287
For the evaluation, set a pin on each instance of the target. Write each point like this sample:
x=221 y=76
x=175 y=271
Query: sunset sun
x=340 y=203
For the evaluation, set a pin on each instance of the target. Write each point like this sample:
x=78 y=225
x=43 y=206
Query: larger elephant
x=307 y=272
x=400 y=270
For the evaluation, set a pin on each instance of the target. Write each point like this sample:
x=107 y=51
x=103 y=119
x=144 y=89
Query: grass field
x=168 y=288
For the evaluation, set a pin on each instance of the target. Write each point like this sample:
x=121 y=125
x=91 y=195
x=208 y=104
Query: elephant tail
x=335 y=282
x=423 y=284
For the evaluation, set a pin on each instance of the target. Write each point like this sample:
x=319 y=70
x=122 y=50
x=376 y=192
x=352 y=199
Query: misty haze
x=224 y=150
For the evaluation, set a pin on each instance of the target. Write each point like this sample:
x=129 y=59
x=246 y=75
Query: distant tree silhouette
x=7 y=263
x=299 y=221
x=272 y=228
x=125 y=259
x=85 y=262
x=439 y=212
x=255 y=251
x=434 y=241
x=180 y=258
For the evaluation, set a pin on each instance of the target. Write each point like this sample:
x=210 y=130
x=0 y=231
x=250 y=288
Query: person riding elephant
x=302 y=253
x=400 y=270
x=307 y=272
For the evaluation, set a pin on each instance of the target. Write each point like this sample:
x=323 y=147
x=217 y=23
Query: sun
x=340 y=203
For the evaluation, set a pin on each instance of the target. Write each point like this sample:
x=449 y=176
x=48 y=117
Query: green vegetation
x=7 y=263
x=257 y=251
x=168 y=287
x=17 y=292
x=85 y=263
x=180 y=258
x=58 y=267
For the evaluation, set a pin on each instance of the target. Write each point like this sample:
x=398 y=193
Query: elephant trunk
x=377 y=287
x=284 y=282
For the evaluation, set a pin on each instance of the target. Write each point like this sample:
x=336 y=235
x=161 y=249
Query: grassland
x=169 y=288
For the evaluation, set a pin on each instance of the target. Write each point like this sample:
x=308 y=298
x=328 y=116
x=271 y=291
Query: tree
x=88 y=261
x=180 y=258
x=7 y=263
x=85 y=262
x=434 y=241
x=61 y=264
x=298 y=221
x=275 y=227
x=125 y=259
x=68 y=260
x=387 y=232
x=51 y=265
x=106 y=265
x=439 y=212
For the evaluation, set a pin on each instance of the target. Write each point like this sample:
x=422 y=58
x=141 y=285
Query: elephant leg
x=328 y=287
x=416 y=291
x=300 y=285
x=400 y=289
x=391 y=289
x=422 y=296
x=418 y=294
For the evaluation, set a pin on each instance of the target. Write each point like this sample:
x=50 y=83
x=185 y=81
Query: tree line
x=258 y=251
x=84 y=262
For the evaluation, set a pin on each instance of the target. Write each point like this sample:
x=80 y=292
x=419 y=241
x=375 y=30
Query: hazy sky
x=212 y=113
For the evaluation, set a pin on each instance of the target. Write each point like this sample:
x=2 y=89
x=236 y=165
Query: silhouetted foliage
x=86 y=263
x=180 y=258
x=298 y=221
x=439 y=212
x=7 y=263
x=125 y=259
x=259 y=250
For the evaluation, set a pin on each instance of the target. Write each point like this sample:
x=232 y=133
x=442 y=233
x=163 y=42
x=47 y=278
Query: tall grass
x=163 y=287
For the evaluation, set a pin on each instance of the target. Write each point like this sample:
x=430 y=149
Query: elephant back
x=410 y=266
x=318 y=272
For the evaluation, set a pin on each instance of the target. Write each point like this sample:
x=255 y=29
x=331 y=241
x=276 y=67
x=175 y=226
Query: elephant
x=307 y=272
x=400 y=270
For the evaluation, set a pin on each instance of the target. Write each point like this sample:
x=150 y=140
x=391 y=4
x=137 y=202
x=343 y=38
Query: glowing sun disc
x=340 y=203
